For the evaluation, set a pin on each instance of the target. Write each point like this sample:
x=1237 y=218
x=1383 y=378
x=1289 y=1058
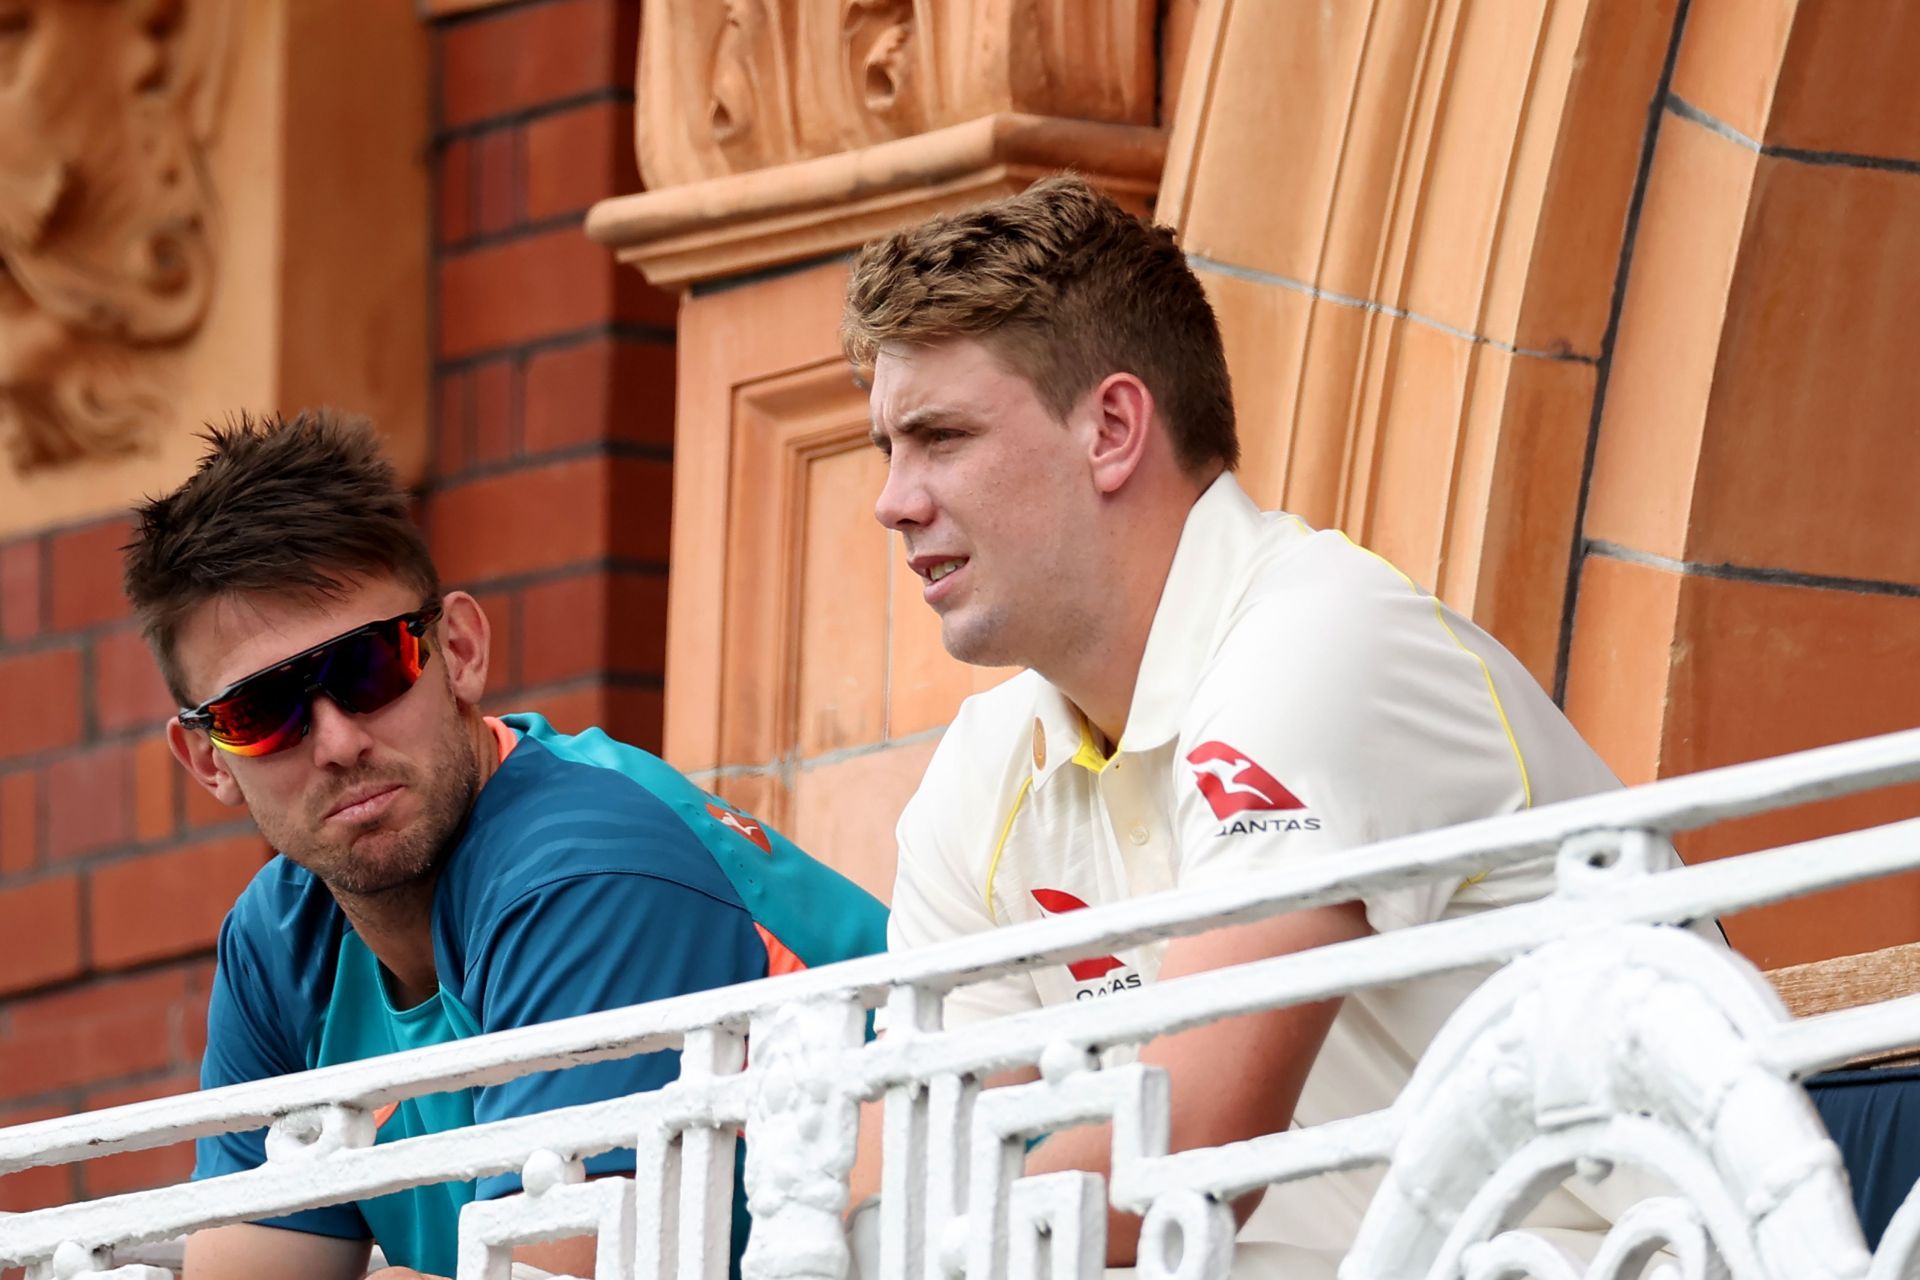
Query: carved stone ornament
x=776 y=131
x=106 y=107
x=728 y=86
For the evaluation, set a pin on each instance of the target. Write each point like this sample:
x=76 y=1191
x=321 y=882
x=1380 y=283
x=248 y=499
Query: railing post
x=802 y=1127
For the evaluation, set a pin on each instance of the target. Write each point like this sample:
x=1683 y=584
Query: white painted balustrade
x=1606 y=1041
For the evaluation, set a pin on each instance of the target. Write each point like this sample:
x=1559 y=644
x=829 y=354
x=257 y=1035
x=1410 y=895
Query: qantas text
x=1254 y=826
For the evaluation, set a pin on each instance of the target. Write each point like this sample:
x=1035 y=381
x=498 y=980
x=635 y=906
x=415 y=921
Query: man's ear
x=204 y=764
x=465 y=640
x=1121 y=410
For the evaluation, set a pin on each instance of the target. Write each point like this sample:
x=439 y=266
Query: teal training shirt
x=590 y=875
x=361 y=1022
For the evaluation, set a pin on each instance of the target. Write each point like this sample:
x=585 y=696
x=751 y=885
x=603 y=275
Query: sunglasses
x=360 y=671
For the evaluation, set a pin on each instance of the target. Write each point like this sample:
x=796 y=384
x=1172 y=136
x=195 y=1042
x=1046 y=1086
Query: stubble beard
x=371 y=863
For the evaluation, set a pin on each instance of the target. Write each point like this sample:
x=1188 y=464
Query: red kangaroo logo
x=1054 y=902
x=1232 y=783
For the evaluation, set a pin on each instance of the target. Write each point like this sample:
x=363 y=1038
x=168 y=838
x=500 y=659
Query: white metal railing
x=1682 y=1062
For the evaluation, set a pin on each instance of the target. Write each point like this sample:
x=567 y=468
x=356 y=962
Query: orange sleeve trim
x=503 y=737
x=779 y=959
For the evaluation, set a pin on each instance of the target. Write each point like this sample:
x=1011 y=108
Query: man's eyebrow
x=913 y=422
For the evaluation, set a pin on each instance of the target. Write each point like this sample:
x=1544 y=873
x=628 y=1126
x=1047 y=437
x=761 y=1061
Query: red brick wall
x=113 y=875
x=554 y=366
x=548 y=496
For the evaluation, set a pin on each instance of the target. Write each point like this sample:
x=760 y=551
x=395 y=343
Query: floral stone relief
x=729 y=86
x=106 y=245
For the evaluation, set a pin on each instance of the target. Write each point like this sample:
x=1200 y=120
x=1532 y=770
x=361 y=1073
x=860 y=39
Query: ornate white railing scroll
x=1610 y=1048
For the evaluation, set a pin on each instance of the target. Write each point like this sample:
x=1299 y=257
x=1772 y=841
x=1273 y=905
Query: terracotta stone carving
x=745 y=84
x=105 y=245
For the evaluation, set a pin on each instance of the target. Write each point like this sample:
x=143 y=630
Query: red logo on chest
x=1054 y=903
x=1232 y=783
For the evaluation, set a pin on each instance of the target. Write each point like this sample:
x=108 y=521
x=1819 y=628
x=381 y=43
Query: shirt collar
x=1061 y=737
x=1219 y=536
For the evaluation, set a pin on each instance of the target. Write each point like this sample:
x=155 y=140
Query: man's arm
x=249 y=1252
x=1230 y=1080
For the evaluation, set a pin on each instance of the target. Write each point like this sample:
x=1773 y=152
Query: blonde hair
x=1065 y=287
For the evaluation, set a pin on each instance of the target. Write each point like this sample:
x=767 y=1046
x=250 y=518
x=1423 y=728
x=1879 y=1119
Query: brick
x=19 y=822
x=156 y=780
x=40 y=1188
x=602 y=389
x=20 y=598
x=643 y=505
x=496 y=176
x=453 y=191
x=89 y=802
x=104 y=1031
x=138 y=1170
x=532 y=518
x=105 y=1000
x=528 y=56
x=614 y=622
x=128 y=692
x=85 y=566
x=199 y=809
x=631 y=715
x=41 y=694
x=47 y=912
x=453 y=443
x=573 y=158
x=558 y=281
x=167 y=904
x=496 y=385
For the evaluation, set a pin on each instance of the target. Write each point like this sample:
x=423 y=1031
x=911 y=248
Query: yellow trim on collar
x=1088 y=756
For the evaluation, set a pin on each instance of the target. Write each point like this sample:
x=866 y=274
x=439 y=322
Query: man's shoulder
x=990 y=738
x=1323 y=610
x=562 y=806
x=279 y=941
x=1000 y=715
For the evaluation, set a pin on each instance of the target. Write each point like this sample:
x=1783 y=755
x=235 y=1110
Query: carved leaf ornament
x=729 y=86
x=106 y=107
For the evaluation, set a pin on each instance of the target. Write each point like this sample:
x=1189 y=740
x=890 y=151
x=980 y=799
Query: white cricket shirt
x=1298 y=697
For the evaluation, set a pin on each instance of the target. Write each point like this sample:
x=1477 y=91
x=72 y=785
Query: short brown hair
x=1066 y=287
x=281 y=506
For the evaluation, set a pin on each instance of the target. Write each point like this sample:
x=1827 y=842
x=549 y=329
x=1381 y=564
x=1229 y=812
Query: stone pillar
x=1749 y=581
x=805 y=681
x=1589 y=314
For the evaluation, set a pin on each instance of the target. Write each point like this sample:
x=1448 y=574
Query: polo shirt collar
x=1061 y=737
x=1215 y=543
x=1220 y=535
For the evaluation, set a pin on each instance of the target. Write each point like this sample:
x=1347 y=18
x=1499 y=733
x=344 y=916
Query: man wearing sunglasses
x=440 y=874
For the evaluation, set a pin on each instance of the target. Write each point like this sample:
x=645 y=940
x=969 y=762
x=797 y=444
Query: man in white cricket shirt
x=1211 y=691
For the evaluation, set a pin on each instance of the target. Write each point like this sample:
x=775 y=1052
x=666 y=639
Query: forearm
x=1230 y=1080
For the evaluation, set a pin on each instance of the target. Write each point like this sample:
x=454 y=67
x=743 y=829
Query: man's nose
x=903 y=500
x=335 y=737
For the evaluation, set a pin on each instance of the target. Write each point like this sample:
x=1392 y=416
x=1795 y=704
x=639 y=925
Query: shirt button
x=1137 y=833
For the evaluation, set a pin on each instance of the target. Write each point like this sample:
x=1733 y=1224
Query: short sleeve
x=935 y=900
x=1313 y=735
x=594 y=941
x=244 y=1044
